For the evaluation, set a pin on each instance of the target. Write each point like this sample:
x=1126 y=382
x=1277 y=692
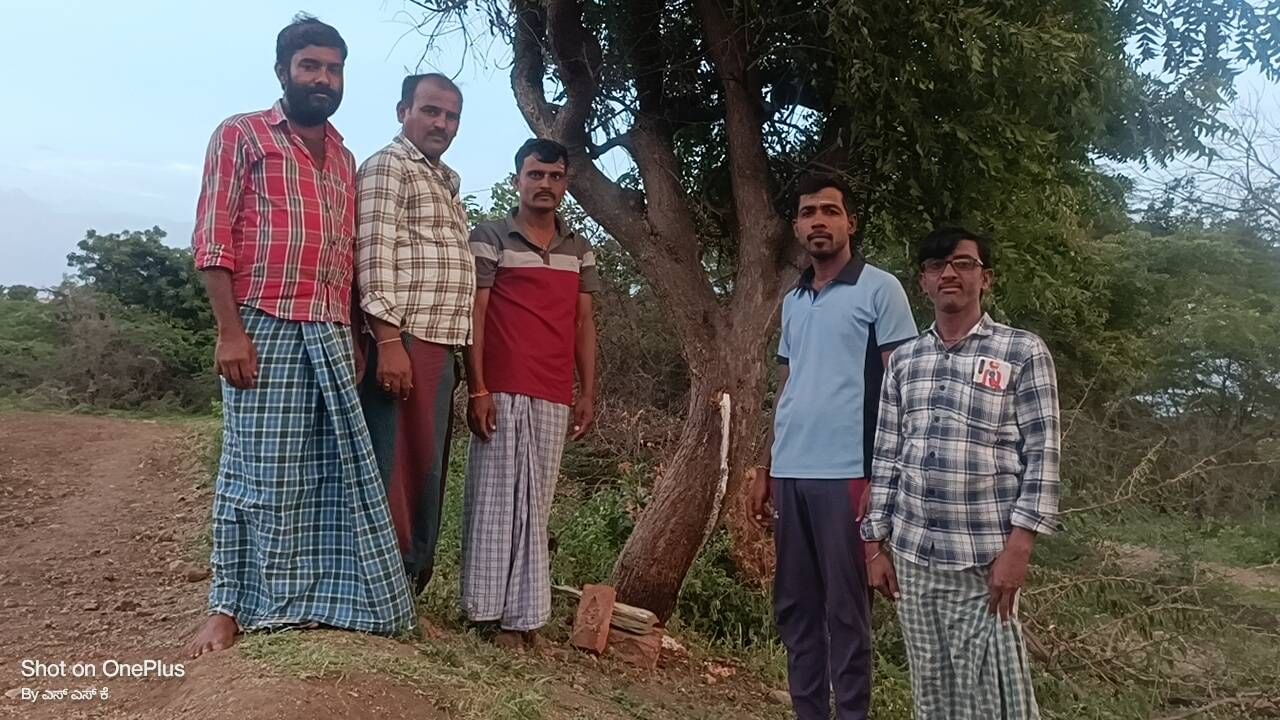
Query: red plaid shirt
x=285 y=230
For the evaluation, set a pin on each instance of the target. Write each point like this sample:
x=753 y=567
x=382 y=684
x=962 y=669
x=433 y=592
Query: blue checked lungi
x=965 y=663
x=301 y=531
x=511 y=480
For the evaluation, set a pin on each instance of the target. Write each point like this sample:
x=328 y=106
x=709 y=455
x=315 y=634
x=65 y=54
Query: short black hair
x=410 y=86
x=548 y=151
x=939 y=244
x=815 y=182
x=306 y=30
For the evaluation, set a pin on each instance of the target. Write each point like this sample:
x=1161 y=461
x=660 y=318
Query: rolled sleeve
x=878 y=524
x=218 y=205
x=1036 y=408
x=486 y=247
x=380 y=194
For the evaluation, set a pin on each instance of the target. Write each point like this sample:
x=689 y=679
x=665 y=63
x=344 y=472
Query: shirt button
x=932 y=454
x=931 y=492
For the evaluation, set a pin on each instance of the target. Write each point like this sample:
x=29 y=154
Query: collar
x=563 y=231
x=848 y=274
x=982 y=328
x=452 y=179
x=275 y=116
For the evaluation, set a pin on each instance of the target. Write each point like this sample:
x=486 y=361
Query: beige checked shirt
x=413 y=265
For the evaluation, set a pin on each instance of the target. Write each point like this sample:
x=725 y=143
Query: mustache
x=321 y=90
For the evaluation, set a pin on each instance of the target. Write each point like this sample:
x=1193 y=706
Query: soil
x=100 y=521
x=103 y=562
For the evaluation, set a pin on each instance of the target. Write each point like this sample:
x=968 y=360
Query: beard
x=310 y=105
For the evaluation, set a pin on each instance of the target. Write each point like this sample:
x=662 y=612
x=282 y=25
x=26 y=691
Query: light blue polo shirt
x=825 y=421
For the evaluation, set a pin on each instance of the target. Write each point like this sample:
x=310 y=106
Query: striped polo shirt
x=531 y=324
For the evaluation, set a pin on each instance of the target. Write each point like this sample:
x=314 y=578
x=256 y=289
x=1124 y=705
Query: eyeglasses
x=935 y=266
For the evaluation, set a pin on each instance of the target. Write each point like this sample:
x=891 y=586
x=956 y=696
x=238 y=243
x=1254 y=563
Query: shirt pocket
x=986 y=408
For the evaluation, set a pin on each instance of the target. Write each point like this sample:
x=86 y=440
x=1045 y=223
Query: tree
x=991 y=112
x=140 y=271
x=23 y=293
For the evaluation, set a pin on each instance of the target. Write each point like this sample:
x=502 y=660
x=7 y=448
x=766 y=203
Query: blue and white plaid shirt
x=967 y=446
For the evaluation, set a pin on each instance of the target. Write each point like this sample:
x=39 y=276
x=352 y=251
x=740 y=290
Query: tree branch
x=623 y=141
x=654 y=227
x=527 y=68
x=759 y=228
x=578 y=58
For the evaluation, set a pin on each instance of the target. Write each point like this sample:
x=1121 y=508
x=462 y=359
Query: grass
x=465 y=677
x=1121 y=640
x=1239 y=542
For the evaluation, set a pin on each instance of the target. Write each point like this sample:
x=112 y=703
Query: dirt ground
x=100 y=527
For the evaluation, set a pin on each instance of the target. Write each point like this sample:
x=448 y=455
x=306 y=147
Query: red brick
x=591 y=624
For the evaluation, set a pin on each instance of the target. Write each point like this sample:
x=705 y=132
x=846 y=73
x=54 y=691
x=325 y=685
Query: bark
x=668 y=536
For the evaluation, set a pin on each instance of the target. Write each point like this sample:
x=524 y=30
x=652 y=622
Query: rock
x=13 y=694
x=673 y=646
x=109 y=577
x=196 y=574
x=639 y=650
x=176 y=565
x=49 y=624
x=127 y=606
x=166 y=536
x=782 y=697
x=92 y=606
x=143 y=612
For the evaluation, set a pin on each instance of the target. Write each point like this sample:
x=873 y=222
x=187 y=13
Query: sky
x=110 y=106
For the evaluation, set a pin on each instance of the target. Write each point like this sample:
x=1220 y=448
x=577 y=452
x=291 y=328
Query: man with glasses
x=964 y=477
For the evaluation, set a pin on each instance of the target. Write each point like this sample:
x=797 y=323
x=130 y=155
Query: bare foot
x=534 y=641
x=217 y=633
x=509 y=640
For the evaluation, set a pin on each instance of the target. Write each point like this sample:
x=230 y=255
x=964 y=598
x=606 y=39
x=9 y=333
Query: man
x=532 y=325
x=838 y=327
x=965 y=477
x=301 y=533
x=417 y=284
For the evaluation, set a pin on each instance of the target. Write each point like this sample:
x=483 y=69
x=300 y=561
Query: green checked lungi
x=301 y=531
x=965 y=663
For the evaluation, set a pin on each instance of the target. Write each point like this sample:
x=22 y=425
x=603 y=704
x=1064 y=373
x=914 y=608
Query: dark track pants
x=820 y=597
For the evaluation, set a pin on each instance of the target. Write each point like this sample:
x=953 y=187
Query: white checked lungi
x=511 y=480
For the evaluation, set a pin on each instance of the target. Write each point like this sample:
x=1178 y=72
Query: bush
x=83 y=349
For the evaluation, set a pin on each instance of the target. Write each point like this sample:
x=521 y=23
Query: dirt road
x=100 y=569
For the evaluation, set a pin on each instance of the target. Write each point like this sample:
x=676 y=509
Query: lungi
x=301 y=532
x=411 y=442
x=511 y=480
x=965 y=663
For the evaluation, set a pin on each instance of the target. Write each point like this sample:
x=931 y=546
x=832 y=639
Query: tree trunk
x=671 y=530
